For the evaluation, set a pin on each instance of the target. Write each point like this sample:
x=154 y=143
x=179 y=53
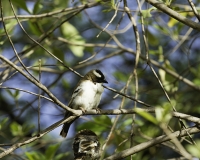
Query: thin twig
x=115 y=14
x=37 y=84
x=122 y=102
x=18 y=89
x=161 y=6
x=39 y=93
x=152 y=142
x=12 y=45
x=130 y=151
x=194 y=9
x=127 y=96
x=138 y=52
x=52 y=14
x=42 y=45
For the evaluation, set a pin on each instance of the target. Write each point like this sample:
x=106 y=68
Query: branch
x=161 y=6
x=149 y=110
x=127 y=96
x=111 y=112
x=41 y=86
x=194 y=9
x=52 y=14
x=152 y=142
x=32 y=139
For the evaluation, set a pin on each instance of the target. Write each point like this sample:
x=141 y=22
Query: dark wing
x=65 y=128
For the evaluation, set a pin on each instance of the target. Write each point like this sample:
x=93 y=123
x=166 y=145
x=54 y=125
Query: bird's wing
x=77 y=92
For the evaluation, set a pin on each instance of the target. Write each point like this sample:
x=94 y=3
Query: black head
x=96 y=76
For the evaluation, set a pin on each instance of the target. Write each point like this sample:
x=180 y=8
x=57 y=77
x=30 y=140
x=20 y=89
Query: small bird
x=86 y=95
x=86 y=146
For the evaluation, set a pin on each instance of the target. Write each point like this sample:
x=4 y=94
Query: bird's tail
x=65 y=129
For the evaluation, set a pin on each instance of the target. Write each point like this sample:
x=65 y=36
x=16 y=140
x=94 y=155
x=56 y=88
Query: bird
x=86 y=146
x=86 y=95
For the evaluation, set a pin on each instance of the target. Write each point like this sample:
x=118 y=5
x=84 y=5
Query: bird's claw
x=82 y=109
x=98 y=110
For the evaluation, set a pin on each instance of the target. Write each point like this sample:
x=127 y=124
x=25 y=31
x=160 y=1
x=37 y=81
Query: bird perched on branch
x=86 y=95
x=86 y=146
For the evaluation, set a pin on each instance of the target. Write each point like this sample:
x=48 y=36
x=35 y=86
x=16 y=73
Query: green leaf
x=121 y=76
x=20 y=130
x=10 y=93
x=147 y=13
x=21 y=4
x=27 y=127
x=128 y=122
x=51 y=150
x=92 y=126
x=10 y=25
x=103 y=119
x=14 y=94
x=61 y=156
x=163 y=114
x=167 y=80
x=35 y=155
x=194 y=149
x=32 y=155
x=16 y=129
x=153 y=39
x=172 y=22
x=33 y=27
x=146 y=115
x=65 y=83
x=196 y=81
x=58 y=53
x=98 y=125
x=3 y=122
x=72 y=35
x=38 y=6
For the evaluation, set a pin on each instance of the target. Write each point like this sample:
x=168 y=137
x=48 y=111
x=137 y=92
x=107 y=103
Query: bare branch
x=161 y=6
x=152 y=142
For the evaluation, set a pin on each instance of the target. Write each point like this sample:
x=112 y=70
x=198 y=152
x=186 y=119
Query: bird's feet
x=98 y=110
x=82 y=109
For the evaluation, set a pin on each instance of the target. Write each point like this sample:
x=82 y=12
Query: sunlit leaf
x=72 y=35
x=61 y=156
x=10 y=26
x=35 y=156
x=197 y=81
x=167 y=80
x=128 y=122
x=194 y=149
x=146 y=115
x=147 y=13
x=163 y=113
x=16 y=129
x=172 y=22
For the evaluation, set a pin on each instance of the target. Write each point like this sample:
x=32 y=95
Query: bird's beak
x=104 y=81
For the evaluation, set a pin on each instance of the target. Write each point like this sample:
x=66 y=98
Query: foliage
x=63 y=36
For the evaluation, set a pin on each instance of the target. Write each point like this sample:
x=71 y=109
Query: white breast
x=90 y=97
